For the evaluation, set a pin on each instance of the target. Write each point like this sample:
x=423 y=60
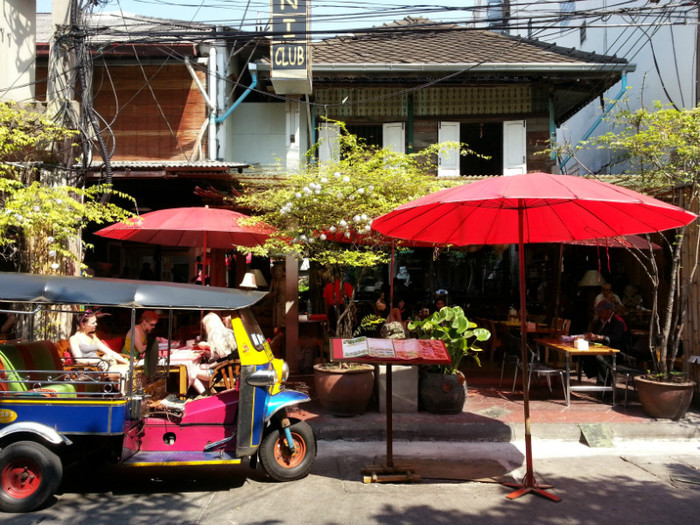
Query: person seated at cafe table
x=147 y=322
x=88 y=349
x=609 y=329
x=220 y=346
x=607 y=294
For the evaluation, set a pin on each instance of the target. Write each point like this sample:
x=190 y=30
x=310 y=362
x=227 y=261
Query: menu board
x=427 y=349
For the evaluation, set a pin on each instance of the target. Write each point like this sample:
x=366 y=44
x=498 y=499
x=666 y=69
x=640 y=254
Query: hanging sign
x=291 y=70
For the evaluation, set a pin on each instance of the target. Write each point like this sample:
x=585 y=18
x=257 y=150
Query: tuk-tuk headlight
x=285 y=371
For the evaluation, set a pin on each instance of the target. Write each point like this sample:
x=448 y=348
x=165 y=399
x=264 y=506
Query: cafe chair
x=535 y=366
x=510 y=350
x=628 y=372
x=561 y=326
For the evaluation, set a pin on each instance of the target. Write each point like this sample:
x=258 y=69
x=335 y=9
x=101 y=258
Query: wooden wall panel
x=155 y=113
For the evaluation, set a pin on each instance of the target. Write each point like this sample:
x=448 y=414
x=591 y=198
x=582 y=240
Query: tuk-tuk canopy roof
x=55 y=289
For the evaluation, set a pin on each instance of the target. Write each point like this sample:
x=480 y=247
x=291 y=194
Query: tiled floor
x=486 y=399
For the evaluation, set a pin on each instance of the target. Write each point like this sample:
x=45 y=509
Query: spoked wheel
x=283 y=464
x=29 y=474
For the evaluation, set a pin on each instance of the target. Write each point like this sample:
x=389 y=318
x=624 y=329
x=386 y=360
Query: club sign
x=289 y=52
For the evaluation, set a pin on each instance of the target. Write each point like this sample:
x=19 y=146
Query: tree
x=325 y=211
x=661 y=147
x=41 y=221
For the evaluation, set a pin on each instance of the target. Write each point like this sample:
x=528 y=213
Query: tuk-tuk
x=52 y=413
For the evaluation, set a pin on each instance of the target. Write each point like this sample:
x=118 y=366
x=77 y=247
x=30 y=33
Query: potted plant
x=443 y=389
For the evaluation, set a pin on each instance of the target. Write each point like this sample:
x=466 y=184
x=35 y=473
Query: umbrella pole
x=528 y=483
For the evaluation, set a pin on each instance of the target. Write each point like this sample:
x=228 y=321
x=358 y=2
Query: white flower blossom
x=52 y=253
x=343 y=223
x=337 y=175
x=49 y=239
x=346 y=179
x=361 y=191
x=323 y=237
x=356 y=218
x=324 y=180
x=347 y=234
x=332 y=229
x=339 y=195
x=54 y=266
x=368 y=228
x=59 y=201
x=35 y=208
x=364 y=216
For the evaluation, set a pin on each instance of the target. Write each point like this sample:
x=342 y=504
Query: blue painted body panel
x=69 y=416
x=283 y=399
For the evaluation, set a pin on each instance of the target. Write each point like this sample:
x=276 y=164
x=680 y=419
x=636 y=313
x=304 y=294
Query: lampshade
x=248 y=281
x=591 y=278
x=259 y=278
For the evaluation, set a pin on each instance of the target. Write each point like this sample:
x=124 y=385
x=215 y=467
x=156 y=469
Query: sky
x=342 y=15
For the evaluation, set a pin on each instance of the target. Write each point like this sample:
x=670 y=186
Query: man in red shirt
x=335 y=300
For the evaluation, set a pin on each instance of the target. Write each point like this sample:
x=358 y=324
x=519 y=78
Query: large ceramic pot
x=344 y=391
x=665 y=400
x=442 y=393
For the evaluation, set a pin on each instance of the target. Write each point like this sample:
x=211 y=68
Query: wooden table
x=388 y=471
x=568 y=350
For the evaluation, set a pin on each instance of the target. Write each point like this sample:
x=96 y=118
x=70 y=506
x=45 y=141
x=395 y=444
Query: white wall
x=17 y=49
x=671 y=79
x=256 y=134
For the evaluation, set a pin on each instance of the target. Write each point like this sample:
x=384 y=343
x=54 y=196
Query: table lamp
x=592 y=278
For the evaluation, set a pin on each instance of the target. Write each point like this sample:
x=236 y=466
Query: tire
x=29 y=474
x=276 y=458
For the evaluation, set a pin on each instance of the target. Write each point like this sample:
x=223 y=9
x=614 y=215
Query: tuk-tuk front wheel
x=283 y=464
x=29 y=474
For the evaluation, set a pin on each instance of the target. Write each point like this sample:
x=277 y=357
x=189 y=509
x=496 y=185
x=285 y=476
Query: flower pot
x=664 y=400
x=442 y=393
x=344 y=391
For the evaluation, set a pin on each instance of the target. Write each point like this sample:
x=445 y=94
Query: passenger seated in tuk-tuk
x=147 y=322
x=219 y=346
x=88 y=349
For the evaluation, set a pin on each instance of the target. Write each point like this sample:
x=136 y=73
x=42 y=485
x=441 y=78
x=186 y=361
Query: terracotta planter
x=664 y=400
x=442 y=393
x=344 y=391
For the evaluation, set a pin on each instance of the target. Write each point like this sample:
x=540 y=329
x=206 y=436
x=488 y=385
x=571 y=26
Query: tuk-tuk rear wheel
x=29 y=474
x=280 y=462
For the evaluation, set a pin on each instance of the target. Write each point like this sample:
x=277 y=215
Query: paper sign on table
x=357 y=347
x=381 y=348
x=407 y=348
x=432 y=349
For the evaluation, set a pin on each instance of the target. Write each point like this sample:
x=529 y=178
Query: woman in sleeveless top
x=86 y=347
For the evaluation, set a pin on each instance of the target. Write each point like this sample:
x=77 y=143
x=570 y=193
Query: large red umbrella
x=530 y=208
x=190 y=227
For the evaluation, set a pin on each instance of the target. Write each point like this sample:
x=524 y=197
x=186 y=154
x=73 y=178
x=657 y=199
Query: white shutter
x=448 y=161
x=393 y=136
x=514 y=149
x=329 y=142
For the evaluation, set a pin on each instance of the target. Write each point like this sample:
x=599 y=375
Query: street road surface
x=631 y=483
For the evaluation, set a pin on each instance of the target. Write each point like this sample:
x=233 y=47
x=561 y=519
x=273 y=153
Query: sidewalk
x=492 y=413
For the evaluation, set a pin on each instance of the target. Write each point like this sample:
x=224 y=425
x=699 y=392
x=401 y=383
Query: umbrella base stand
x=390 y=474
x=531 y=487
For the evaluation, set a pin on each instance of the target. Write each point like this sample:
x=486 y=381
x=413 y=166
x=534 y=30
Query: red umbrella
x=623 y=241
x=535 y=207
x=190 y=227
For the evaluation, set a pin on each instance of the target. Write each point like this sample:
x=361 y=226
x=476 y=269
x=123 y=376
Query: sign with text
x=290 y=46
